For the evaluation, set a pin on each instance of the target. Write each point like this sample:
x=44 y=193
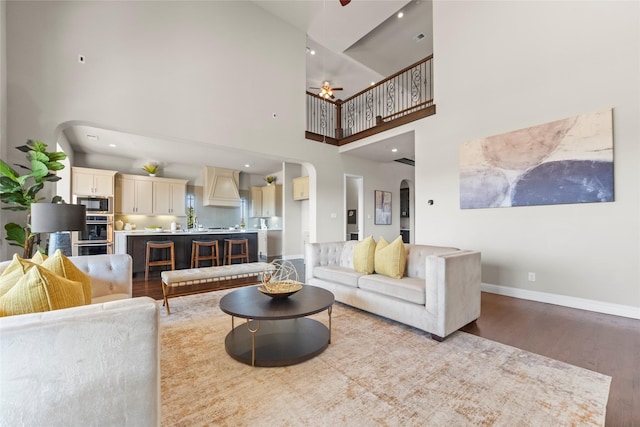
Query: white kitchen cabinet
x=169 y=197
x=266 y=201
x=301 y=188
x=256 y=202
x=92 y=182
x=272 y=200
x=134 y=195
x=269 y=245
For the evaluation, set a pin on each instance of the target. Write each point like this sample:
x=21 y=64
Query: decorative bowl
x=279 y=290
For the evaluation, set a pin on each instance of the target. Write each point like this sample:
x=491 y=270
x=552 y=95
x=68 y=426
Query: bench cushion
x=194 y=276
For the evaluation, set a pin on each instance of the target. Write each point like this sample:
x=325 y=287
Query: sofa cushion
x=343 y=275
x=407 y=288
x=364 y=255
x=41 y=290
x=390 y=258
x=62 y=266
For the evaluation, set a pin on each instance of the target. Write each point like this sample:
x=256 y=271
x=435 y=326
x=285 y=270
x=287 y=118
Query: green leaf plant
x=18 y=191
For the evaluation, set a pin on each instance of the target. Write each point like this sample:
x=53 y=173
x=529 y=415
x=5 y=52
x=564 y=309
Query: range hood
x=221 y=187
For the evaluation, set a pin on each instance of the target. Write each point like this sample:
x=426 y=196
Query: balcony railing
x=396 y=100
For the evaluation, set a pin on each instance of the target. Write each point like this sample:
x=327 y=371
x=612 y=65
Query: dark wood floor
x=599 y=342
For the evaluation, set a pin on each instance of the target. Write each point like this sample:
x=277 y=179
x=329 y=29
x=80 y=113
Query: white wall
x=502 y=66
x=189 y=71
x=515 y=75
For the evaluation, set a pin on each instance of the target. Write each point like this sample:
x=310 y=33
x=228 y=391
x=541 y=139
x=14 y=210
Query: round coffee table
x=277 y=332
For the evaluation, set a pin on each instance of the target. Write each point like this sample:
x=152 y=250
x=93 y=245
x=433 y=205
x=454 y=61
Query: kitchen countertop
x=180 y=232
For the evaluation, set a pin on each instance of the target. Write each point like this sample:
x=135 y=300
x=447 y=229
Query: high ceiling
x=354 y=46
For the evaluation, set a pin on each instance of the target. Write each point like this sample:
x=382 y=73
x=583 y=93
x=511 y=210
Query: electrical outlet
x=532 y=277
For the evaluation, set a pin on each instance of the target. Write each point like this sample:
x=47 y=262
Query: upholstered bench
x=194 y=280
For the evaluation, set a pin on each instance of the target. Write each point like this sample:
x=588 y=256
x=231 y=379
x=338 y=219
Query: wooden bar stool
x=229 y=256
x=159 y=245
x=196 y=257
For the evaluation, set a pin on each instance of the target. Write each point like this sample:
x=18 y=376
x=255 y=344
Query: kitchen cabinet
x=256 y=202
x=266 y=201
x=301 y=188
x=272 y=200
x=269 y=245
x=144 y=195
x=169 y=197
x=134 y=195
x=92 y=182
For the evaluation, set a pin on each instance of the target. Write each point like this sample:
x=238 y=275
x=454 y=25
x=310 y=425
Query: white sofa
x=96 y=364
x=439 y=293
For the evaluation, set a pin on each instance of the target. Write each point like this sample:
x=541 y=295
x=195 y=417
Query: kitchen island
x=134 y=243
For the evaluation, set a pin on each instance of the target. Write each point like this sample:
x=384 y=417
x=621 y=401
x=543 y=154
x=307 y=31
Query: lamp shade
x=53 y=217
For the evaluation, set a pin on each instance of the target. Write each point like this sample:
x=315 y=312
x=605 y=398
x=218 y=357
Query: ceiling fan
x=326 y=91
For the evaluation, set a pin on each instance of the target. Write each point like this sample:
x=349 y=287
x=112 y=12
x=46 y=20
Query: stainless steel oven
x=96 y=238
x=96 y=205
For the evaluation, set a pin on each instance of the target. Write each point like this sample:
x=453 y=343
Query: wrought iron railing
x=321 y=116
x=395 y=97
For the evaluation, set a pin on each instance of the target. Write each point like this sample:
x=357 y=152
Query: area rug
x=375 y=372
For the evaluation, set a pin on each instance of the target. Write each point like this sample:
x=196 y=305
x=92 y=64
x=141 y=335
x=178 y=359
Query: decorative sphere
x=284 y=271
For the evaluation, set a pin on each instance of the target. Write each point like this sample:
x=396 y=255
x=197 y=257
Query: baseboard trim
x=288 y=257
x=565 y=301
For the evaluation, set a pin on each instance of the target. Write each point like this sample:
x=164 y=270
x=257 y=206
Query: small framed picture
x=382 y=207
x=351 y=216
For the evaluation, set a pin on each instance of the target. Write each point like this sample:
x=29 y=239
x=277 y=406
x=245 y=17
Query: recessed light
x=247 y=166
x=373 y=83
x=400 y=15
x=313 y=52
x=112 y=145
x=394 y=150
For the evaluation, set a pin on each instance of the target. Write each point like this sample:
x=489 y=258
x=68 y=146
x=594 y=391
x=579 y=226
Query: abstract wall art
x=565 y=161
x=382 y=208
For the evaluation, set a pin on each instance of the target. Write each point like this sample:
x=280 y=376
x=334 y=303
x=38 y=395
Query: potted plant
x=20 y=191
x=270 y=179
x=151 y=168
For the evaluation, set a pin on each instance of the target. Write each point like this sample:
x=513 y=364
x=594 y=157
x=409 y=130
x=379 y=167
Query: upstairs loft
x=401 y=98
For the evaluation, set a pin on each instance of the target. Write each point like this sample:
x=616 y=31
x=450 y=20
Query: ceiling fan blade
x=345 y=2
x=316 y=88
x=336 y=88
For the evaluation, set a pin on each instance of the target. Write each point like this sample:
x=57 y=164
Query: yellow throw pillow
x=363 y=256
x=14 y=272
x=391 y=259
x=41 y=290
x=38 y=258
x=62 y=266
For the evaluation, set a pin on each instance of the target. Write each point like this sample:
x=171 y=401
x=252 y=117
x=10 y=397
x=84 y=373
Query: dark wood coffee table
x=277 y=332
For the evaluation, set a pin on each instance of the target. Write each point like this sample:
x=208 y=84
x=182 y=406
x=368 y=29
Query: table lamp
x=58 y=219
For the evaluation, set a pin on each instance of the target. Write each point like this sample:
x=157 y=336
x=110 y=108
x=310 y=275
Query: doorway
x=354 y=207
x=406 y=211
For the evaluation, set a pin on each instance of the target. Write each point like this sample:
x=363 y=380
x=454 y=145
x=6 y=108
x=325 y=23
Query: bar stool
x=229 y=256
x=214 y=257
x=159 y=245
